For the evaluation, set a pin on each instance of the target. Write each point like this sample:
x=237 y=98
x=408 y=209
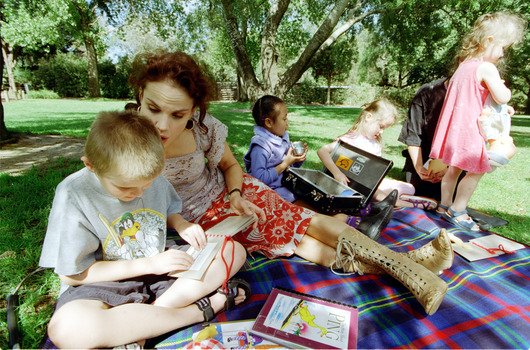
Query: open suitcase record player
x=319 y=189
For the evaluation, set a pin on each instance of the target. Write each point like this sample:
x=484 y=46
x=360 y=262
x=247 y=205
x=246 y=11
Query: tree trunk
x=328 y=97
x=269 y=56
x=92 y=58
x=244 y=66
x=527 y=108
x=8 y=60
x=4 y=134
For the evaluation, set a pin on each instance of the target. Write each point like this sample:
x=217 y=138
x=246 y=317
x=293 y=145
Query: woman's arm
x=234 y=180
x=324 y=153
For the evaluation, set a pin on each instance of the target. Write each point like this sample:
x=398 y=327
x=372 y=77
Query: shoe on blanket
x=428 y=288
x=436 y=256
x=231 y=293
x=467 y=224
x=372 y=225
x=419 y=202
x=389 y=201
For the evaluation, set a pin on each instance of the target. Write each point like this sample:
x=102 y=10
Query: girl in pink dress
x=457 y=140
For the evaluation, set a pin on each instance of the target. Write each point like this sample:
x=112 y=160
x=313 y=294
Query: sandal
x=232 y=292
x=441 y=213
x=233 y=285
x=419 y=202
x=467 y=224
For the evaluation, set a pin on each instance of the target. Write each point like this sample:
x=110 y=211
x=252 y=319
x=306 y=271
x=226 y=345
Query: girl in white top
x=366 y=134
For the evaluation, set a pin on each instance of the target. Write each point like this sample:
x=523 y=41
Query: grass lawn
x=25 y=200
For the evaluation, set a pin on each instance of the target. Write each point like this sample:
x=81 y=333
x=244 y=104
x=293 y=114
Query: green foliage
x=65 y=74
x=26 y=202
x=335 y=63
x=43 y=94
x=114 y=79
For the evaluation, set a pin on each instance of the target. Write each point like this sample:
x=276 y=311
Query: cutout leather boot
x=353 y=248
x=436 y=256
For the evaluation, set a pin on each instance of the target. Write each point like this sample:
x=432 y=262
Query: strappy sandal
x=232 y=285
x=441 y=213
x=467 y=224
x=419 y=202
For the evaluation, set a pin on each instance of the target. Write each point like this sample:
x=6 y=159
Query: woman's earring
x=189 y=124
x=139 y=107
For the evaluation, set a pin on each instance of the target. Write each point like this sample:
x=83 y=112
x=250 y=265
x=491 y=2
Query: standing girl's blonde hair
x=457 y=140
x=503 y=28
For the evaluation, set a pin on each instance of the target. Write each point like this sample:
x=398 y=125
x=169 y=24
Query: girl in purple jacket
x=270 y=152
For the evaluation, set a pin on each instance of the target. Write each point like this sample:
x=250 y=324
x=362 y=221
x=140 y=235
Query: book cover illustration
x=308 y=321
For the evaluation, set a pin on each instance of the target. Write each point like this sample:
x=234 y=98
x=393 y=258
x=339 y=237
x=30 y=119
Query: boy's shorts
x=142 y=289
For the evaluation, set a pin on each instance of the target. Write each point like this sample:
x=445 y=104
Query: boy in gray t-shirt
x=106 y=239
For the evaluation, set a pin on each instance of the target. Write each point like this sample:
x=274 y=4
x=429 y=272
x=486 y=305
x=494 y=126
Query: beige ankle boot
x=354 y=248
x=437 y=255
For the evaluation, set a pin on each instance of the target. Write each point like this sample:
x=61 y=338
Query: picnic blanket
x=487 y=305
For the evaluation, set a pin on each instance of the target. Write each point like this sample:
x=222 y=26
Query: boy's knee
x=72 y=327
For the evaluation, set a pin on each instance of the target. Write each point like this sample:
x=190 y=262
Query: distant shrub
x=308 y=93
x=113 y=79
x=401 y=97
x=65 y=74
x=43 y=94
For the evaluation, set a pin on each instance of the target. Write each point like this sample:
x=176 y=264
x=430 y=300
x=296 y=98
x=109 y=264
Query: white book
x=215 y=238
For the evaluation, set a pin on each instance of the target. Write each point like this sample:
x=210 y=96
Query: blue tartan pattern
x=487 y=305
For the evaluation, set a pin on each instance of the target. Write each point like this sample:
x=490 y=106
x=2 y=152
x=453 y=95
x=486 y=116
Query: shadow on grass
x=521 y=121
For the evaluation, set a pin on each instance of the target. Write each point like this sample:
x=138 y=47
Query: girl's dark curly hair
x=178 y=67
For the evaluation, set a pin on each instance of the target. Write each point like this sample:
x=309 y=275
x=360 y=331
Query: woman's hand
x=241 y=206
x=169 y=261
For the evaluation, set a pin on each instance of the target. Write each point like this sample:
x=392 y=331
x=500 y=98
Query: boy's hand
x=193 y=234
x=170 y=260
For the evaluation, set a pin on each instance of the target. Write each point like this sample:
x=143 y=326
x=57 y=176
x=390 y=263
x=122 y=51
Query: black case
x=319 y=189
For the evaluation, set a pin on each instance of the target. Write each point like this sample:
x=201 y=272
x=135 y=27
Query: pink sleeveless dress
x=457 y=140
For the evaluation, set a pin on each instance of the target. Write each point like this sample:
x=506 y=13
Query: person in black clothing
x=418 y=132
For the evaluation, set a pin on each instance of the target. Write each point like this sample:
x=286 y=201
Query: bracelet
x=234 y=190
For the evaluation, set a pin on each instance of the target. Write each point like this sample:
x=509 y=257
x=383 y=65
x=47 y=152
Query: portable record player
x=319 y=189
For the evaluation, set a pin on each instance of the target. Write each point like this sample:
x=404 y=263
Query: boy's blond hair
x=382 y=110
x=505 y=29
x=126 y=145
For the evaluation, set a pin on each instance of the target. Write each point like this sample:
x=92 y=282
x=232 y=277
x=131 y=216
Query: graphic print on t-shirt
x=137 y=234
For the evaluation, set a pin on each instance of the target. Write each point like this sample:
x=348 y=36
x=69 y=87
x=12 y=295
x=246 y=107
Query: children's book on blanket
x=299 y=320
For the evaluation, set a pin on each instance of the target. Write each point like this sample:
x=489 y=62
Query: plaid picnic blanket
x=487 y=305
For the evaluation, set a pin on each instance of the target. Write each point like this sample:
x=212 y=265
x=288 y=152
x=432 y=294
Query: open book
x=215 y=238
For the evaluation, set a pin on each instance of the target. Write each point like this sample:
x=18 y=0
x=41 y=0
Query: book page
x=215 y=236
x=476 y=251
x=231 y=225
x=203 y=259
